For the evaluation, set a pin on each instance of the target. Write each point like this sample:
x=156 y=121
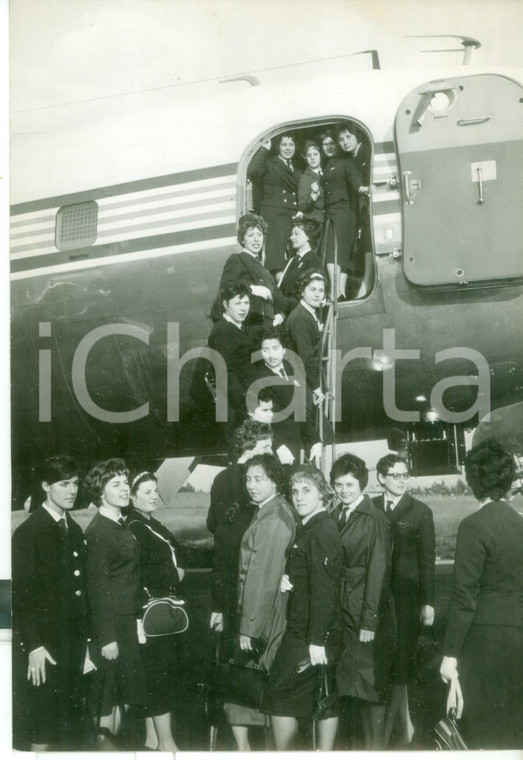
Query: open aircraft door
x=460 y=146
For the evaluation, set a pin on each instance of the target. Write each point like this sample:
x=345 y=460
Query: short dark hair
x=273 y=333
x=388 y=461
x=306 y=278
x=248 y=434
x=279 y=138
x=311 y=227
x=100 y=474
x=350 y=127
x=139 y=478
x=60 y=467
x=226 y=293
x=350 y=464
x=247 y=221
x=271 y=467
x=490 y=470
x=266 y=394
x=325 y=134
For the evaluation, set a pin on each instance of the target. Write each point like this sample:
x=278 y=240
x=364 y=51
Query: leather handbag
x=446 y=732
x=447 y=735
x=325 y=701
x=164 y=616
x=241 y=680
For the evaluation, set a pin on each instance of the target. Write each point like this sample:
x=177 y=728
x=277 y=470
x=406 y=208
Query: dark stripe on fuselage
x=135 y=186
x=384 y=147
x=124 y=246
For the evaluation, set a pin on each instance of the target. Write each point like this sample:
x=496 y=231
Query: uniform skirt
x=344 y=225
x=491 y=676
x=291 y=694
x=120 y=681
x=278 y=234
x=54 y=710
x=159 y=658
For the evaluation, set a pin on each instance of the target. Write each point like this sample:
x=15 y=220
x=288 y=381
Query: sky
x=62 y=51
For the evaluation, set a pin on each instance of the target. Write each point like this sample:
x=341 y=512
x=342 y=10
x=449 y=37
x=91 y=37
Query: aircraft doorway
x=325 y=171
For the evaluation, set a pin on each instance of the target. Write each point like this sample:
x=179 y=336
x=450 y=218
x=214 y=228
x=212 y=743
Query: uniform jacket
x=296 y=267
x=230 y=513
x=314 y=569
x=362 y=162
x=279 y=183
x=295 y=435
x=488 y=573
x=367 y=561
x=228 y=491
x=113 y=575
x=305 y=340
x=414 y=553
x=158 y=573
x=235 y=347
x=341 y=181
x=310 y=207
x=248 y=269
x=49 y=580
x=263 y=555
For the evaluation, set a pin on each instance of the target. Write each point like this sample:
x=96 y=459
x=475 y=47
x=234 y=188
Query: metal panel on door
x=460 y=146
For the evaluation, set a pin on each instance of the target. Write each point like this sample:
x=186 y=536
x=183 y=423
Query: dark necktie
x=388 y=507
x=121 y=522
x=289 y=164
x=62 y=522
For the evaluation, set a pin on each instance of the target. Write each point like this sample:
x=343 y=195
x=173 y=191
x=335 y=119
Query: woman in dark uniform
x=342 y=182
x=229 y=338
x=305 y=238
x=312 y=580
x=247 y=266
x=113 y=587
x=484 y=635
x=305 y=329
x=364 y=665
x=159 y=576
x=50 y=615
x=351 y=142
x=277 y=179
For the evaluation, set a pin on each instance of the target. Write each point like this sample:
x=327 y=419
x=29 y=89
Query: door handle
x=481 y=199
x=410 y=185
x=477 y=120
x=406 y=187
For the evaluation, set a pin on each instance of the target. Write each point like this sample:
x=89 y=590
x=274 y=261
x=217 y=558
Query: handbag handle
x=455 y=699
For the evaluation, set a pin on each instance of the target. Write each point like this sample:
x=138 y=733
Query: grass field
x=186 y=519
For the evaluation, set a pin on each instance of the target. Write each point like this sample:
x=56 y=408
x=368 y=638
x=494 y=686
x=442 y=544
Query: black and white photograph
x=263 y=386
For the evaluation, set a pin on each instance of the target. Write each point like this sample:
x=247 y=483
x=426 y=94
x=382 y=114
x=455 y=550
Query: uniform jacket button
x=78 y=592
x=77 y=572
x=75 y=554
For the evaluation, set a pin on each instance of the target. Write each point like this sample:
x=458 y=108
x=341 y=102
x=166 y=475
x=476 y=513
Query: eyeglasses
x=398 y=475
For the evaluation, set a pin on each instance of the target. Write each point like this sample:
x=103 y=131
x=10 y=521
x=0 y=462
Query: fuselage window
x=323 y=172
x=76 y=225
